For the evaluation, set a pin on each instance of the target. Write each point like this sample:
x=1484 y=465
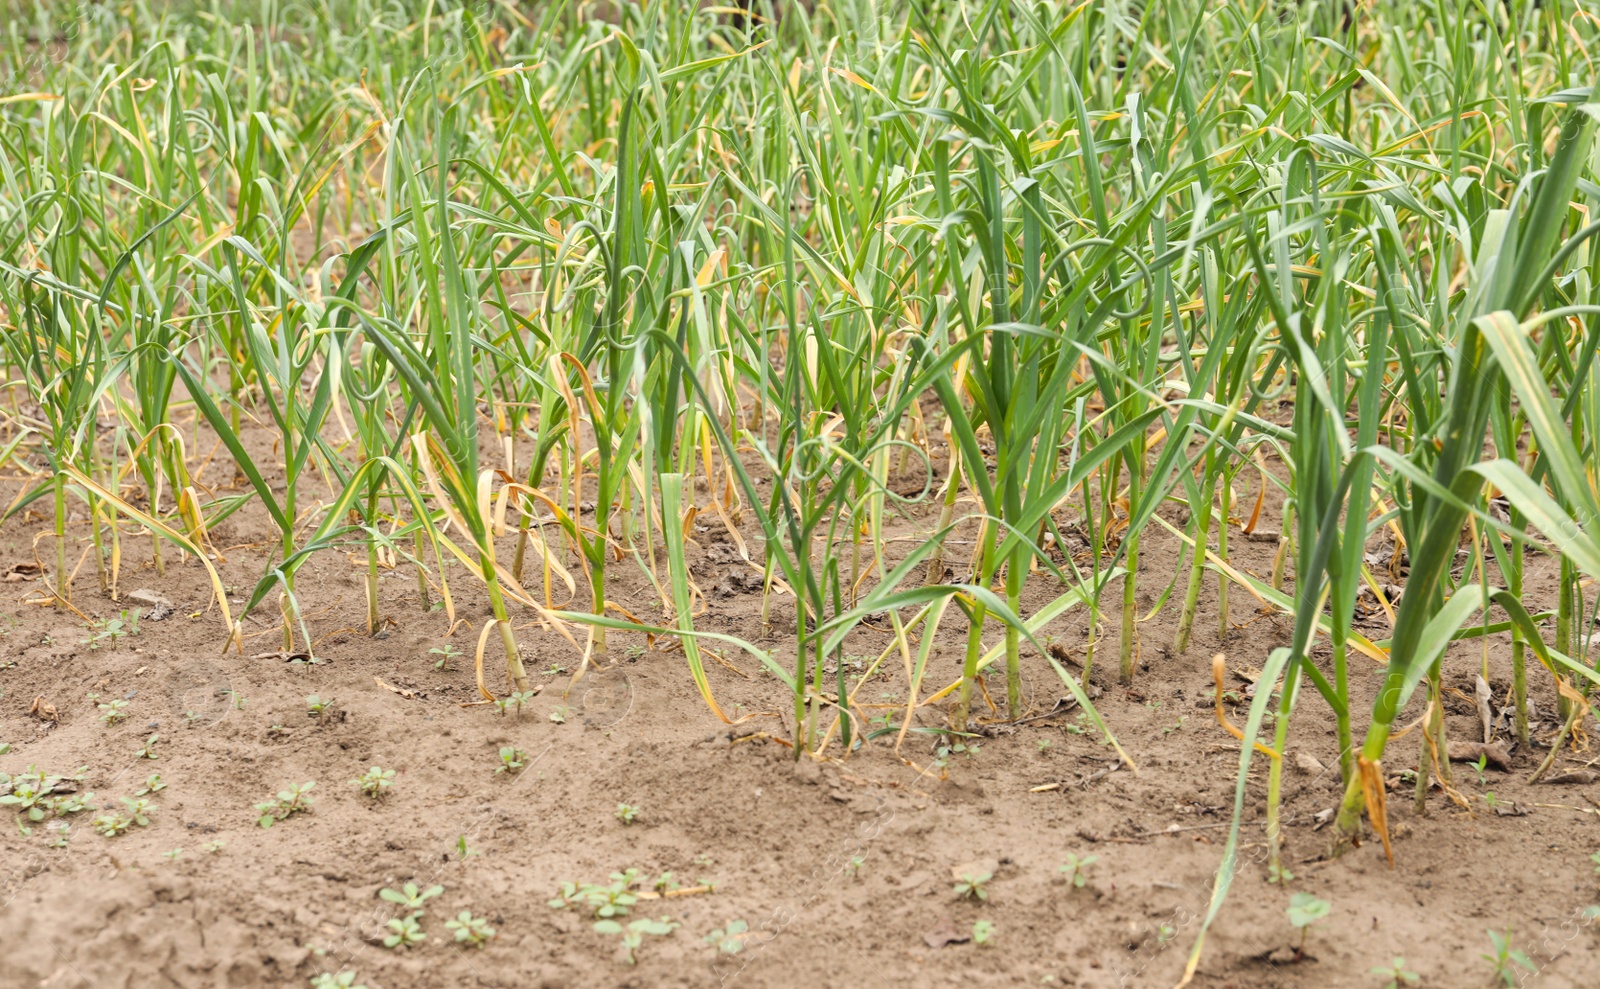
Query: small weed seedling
x=611 y=900
x=559 y=715
x=316 y=706
x=942 y=754
x=287 y=803
x=149 y=750
x=1305 y=910
x=375 y=781
x=112 y=711
x=982 y=932
x=35 y=795
x=112 y=629
x=633 y=935
x=173 y=855
x=516 y=699
x=135 y=812
x=1506 y=960
x=1396 y=974
x=1478 y=767
x=614 y=898
x=404 y=932
x=446 y=653
x=470 y=930
x=626 y=813
x=974 y=886
x=729 y=940
x=344 y=980
x=410 y=896
x=1076 y=870
x=463 y=850
x=511 y=760
x=153 y=784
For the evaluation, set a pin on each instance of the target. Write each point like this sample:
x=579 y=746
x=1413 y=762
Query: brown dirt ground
x=274 y=907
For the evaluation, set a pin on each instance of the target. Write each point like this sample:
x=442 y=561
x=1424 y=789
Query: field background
x=765 y=449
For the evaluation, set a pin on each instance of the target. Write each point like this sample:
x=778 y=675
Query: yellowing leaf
x=852 y=77
x=709 y=269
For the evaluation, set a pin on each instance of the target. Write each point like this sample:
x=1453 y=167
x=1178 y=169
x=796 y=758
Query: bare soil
x=843 y=870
